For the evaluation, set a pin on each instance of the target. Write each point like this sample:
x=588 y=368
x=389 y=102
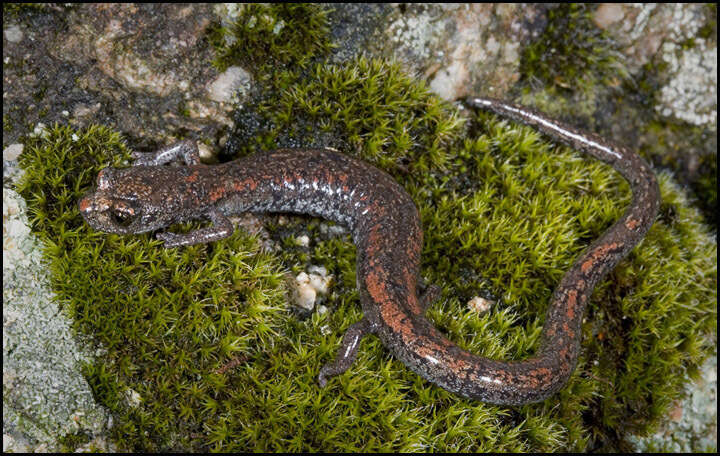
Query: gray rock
x=45 y=396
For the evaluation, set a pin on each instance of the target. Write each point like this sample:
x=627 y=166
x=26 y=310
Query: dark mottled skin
x=386 y=229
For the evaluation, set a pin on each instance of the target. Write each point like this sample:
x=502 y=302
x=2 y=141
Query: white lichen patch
x=303 y=241
x=230 y=86
x=13 y=34
x=456 y=46
x=12 y=152
x=691 y=94
x=44 y=393
x=129 y=69
x=415 y=34
x=653 y=33
x=692 y=424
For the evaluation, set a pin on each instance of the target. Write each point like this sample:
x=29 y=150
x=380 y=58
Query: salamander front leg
x=348 y=351
x=222 y=228
x=184 y=151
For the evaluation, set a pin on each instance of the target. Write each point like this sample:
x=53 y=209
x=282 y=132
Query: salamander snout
x=108 y=214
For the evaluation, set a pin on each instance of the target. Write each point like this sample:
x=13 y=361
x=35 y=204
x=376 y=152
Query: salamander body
x=385 y=227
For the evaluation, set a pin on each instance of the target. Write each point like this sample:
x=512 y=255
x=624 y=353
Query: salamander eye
x=122 y=215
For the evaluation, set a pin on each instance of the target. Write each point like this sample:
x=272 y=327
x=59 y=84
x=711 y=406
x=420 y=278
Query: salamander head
x=123 y=205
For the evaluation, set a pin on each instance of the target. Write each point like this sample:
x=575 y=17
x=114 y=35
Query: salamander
x=386 y=230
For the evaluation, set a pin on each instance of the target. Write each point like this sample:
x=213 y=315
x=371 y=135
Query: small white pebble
x=204 y=150
x=308 y=286
x=12 y=152
x=133 y=398
x=319 y=270
x=225 y=86
x=13 y=34
x=319 y=278
x=305 y=296
x=480 y=305
x=278 y=27
x=40 y=130
x=302 y=278
x=303 y=241
x=320 y=283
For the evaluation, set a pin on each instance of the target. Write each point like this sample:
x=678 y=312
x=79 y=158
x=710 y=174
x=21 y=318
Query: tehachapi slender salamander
x=386 y=229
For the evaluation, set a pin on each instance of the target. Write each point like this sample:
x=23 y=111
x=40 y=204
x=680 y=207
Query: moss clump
x=264 y=36
x=367 y=106
x=15 y=9
x=668 y=143
x=706 y=188
x=71 y=442
x=572 y=53
x=166 y=328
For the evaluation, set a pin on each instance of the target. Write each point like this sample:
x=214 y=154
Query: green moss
x=706 y=188
x=668 y=144
x=572 y=53
x=709 y=30
x=71 y=442
x=267 y=35
x=166 y=327
x=200 y=352
x=366 y=106
x=16 y=9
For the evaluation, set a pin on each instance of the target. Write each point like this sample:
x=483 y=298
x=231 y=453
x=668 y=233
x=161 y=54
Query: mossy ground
x=202 y=353
x=571 y=59
x=575 y=70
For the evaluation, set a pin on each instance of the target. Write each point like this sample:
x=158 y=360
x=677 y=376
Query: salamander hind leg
x=348 y=351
